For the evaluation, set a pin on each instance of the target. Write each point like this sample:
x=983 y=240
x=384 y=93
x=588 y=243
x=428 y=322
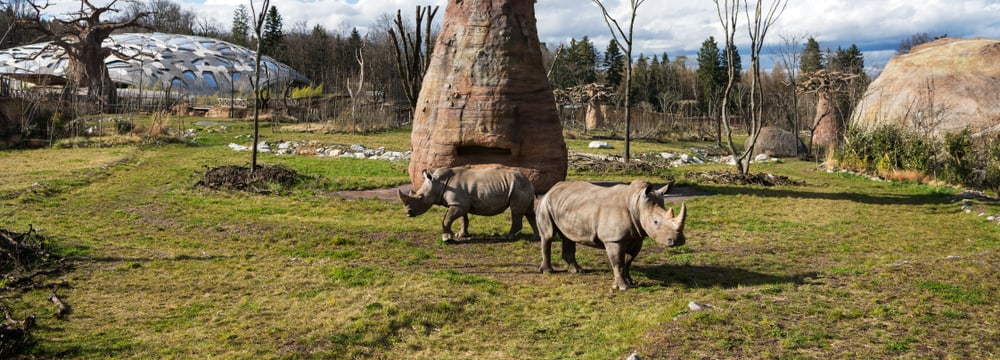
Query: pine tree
x=812 y=59
x=614 y=64
x=711 y=72
x=241 y=26
x=738 y=63
x=273 y=36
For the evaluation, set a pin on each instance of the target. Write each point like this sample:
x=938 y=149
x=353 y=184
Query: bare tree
x=827 y=85
x=258 y=26
x=81 y=37
x=790 y=53
x=625 y=43
x=759 y=22
x=413 y=51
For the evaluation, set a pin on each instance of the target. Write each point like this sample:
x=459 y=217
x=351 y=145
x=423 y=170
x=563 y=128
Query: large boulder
x=485 y=100
x=778 y=142
x=939 y=87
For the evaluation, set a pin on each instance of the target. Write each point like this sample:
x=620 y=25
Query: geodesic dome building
x=188 y=64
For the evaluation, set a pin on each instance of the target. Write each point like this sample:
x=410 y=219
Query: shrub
x=885 y=150
x=123 y=127
x=958 y=163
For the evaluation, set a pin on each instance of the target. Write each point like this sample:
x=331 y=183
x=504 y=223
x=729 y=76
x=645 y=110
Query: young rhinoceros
x=615 y=218
x=485 y=192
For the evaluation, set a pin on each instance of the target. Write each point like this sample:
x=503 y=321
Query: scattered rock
x=696 y=306
x=599 y=145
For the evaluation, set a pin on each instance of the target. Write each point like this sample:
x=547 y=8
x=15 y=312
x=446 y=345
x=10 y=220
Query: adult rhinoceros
x=485 y=192
x=615 y=218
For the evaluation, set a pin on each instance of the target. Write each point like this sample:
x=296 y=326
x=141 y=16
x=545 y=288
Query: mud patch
x=264 y=179
x=728 y=178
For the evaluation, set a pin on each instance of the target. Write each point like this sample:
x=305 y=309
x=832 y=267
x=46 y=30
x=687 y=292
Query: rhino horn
x=402 y=196
x=680 y=218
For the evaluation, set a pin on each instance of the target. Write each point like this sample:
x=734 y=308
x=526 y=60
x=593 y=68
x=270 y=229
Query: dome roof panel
x=178 y=55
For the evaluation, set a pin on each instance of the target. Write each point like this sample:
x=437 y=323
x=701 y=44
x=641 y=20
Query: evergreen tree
x=585 y=61
x=738 y=63
x=640 y=80
x=850 y=60
x=241 y=26
x=614 y=64
x=711 y=72
x=812 y=59
x=272 y=36
x=577 y=65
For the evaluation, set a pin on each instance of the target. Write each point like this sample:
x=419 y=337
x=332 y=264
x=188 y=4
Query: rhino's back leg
x=545 y=230
x=569 y=254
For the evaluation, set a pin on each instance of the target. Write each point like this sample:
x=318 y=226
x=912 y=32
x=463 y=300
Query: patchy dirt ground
x=262 y=180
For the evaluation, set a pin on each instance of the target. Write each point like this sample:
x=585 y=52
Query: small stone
x=696 y=306
x=599 y=145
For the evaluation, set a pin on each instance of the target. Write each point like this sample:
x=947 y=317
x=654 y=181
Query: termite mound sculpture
x=485 y=100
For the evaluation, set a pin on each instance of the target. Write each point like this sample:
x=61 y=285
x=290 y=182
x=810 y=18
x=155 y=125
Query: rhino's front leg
x=453 y=213
x=617 y=257
x=629 y=256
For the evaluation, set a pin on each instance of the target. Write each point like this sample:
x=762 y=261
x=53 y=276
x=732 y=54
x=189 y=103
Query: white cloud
x=676 y=27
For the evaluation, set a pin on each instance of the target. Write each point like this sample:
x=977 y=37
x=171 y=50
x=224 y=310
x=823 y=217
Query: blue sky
x=676 y=27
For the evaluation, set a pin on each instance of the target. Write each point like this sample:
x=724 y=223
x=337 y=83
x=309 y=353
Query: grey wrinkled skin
x=484 y=192
x=613 y=218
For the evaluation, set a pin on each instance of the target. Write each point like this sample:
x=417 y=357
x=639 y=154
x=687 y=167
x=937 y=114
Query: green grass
x=840 y=267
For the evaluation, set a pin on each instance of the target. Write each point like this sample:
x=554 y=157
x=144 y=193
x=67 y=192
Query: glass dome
x=185 y=63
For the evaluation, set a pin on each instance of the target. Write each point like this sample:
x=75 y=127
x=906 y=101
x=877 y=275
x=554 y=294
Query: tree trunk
x=828 y=123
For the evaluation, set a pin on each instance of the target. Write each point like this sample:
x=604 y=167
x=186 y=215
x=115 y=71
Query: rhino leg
x=617 y=257
x=463 y=222
x=545 y=232
x=531 y=222
x=569 y=255
x=453 y=213
x=629 y=256
x=516 y=224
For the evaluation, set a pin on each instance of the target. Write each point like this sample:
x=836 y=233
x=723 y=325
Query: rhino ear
x=427 y=175
x=664 y=190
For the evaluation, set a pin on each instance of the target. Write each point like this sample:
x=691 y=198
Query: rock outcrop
x=485 y=100
x=939 y=87
x=778 y=142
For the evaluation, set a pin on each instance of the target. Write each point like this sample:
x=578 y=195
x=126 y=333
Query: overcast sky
x=677 y=27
